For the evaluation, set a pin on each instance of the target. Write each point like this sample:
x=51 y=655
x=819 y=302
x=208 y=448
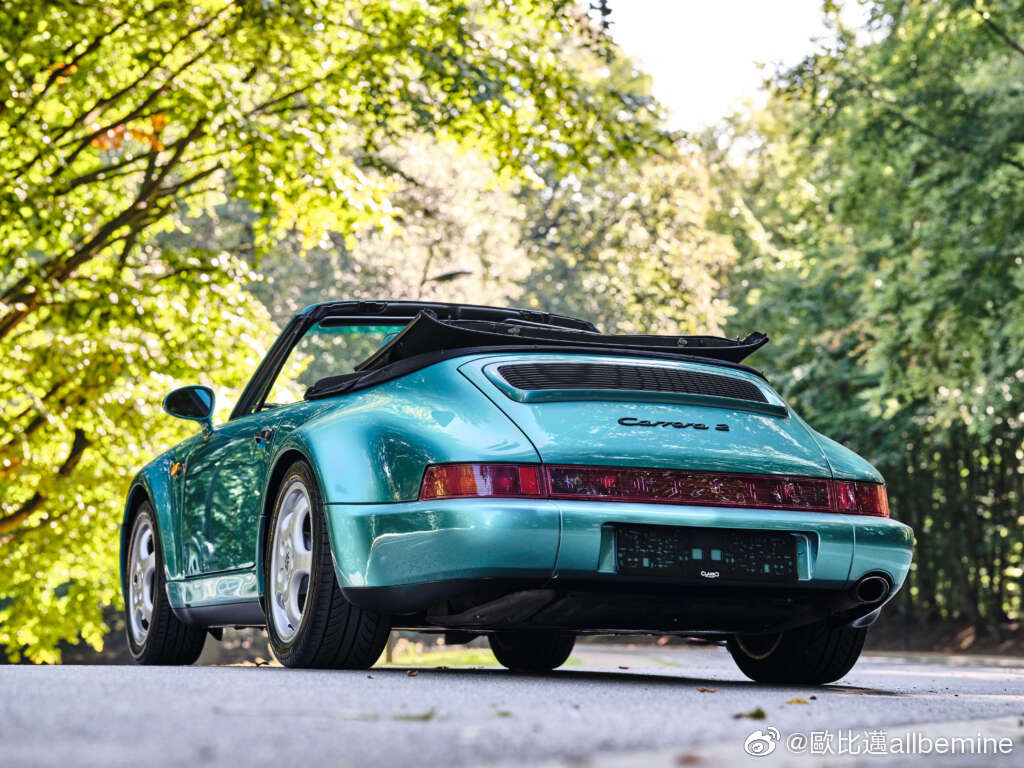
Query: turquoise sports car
x=509 y=473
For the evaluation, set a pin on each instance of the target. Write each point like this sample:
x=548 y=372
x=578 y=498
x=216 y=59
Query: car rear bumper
x=433 y=561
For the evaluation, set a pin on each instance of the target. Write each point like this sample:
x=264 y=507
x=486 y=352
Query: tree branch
x=999 y=31
x=896 y=111
x=24 y=301
x=95 y=43
x=115 y=97
x=13 y=520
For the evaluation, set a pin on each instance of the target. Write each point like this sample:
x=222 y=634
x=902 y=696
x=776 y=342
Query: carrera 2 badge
x=629 y=421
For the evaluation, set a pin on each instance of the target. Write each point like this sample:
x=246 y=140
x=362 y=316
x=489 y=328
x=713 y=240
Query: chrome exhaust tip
x=872 y=589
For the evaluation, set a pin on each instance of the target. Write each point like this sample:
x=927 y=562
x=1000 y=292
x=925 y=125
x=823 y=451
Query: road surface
x=669 y=706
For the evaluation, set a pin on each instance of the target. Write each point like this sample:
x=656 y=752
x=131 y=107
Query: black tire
x=812 y=655
x=167 y=640
x=332 y=633
x=532 y=650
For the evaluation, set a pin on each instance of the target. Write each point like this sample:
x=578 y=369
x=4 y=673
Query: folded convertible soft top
x=427 y=339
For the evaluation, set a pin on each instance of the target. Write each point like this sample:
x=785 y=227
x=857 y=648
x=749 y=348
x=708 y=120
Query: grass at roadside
x=410 y=655
x=413 y=656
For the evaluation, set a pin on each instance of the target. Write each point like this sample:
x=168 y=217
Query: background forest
x=176 y=179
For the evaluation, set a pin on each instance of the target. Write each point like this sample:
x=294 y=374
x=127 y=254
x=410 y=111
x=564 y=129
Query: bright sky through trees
x=705 y=57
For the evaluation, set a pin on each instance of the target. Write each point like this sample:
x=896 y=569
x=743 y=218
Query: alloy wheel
x=291 y=560
x=142 y=580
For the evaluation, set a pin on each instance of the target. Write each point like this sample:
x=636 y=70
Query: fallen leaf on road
x=688 y=758
x=621 y=667
x=417 y=717
x=369 y=677
x=503 y=713
x=708 y=690
x=754 y=714
x=812 y=698
x=411 y=673
x=798 y=701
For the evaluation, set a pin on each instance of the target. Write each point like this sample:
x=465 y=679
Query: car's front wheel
x=309 y=621
x=532 y=650
x=155 y=635
x=812 y=655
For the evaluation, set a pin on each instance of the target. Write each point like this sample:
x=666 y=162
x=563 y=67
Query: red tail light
x=659 y=486
x=677 y=487
x=449 y=481
x=861 y=498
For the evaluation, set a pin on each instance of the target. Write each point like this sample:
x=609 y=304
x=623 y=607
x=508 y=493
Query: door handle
x=263 y=436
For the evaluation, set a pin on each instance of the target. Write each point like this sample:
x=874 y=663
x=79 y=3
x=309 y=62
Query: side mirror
x=194 y=403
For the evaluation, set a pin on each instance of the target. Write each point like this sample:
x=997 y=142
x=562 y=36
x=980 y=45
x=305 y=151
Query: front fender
x=153 y=483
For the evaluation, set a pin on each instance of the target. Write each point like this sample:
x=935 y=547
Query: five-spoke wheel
x=141 y=579
x=155 y=635
x=309 y=621
x=291 y=559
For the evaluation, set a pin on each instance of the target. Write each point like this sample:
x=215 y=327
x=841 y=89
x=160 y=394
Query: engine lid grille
x=635 y=378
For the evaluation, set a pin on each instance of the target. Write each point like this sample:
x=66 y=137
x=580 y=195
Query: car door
x=223 y=495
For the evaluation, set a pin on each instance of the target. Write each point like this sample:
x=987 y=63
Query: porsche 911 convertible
x=511 y=474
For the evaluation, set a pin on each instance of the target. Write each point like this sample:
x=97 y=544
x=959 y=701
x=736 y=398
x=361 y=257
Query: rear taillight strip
x=657 y=486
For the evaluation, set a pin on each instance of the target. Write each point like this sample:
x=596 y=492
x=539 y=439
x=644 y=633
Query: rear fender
x=291 y=450
x=373 y=446
x=845 y=464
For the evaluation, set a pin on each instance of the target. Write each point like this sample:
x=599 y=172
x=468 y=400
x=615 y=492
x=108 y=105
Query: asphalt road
x=653 y=713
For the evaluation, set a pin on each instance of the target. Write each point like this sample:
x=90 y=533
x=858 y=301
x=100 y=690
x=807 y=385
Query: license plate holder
x=705 y=554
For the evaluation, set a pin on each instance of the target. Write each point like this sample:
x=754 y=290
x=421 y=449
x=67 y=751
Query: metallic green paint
x=881 y=545
x=373 y=445
x=369 y=448
x=377 y=545
x=844 y=463
x=420 y=541
x=154 y=482
x=220 y=588
x=222 y=498
x=586 y=430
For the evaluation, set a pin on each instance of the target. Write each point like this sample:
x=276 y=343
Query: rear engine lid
x=639 y=412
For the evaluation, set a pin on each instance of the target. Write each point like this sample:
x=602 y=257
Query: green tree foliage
x=626 y=243
x=877 y=205
x=629 y=246
x=454 y=235
x=120 y=121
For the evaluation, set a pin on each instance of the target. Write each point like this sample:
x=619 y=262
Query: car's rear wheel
x=155 y=635
x=532 y=650
x=309 y=621
x=812 y=655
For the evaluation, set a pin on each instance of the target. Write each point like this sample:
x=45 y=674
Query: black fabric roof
x=428 y=339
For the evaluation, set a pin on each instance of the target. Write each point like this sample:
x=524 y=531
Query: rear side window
x=326 y=351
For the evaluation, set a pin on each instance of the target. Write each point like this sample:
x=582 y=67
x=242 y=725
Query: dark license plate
x=705 y=554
